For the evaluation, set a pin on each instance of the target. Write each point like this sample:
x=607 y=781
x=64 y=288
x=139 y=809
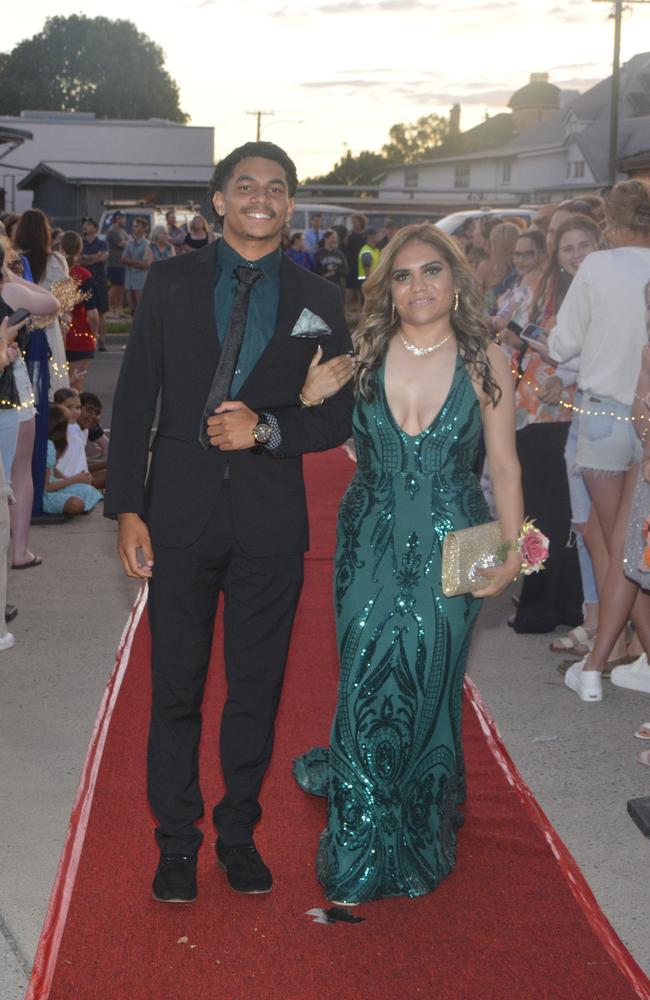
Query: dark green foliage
x=95 y=64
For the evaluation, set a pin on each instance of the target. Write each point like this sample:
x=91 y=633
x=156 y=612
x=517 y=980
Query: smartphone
x=533 y=333
x=19 y=316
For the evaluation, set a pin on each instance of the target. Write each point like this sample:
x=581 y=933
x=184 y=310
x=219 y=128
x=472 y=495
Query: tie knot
x=247 y=276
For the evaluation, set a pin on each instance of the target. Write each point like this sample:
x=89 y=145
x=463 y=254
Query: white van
x=333 y=215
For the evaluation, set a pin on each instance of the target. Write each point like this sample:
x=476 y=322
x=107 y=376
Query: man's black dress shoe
x=244 y=867
x=10 y=612
x=175 y=879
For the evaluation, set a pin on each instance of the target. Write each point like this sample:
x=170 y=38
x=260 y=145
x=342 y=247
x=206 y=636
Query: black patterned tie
x=220 y=388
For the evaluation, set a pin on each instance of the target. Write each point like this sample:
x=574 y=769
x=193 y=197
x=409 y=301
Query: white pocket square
x=310 y=325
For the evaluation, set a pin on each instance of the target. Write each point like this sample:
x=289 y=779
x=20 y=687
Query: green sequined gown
x=394 y=774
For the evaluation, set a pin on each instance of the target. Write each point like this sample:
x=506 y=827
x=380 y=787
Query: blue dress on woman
x=394 y=774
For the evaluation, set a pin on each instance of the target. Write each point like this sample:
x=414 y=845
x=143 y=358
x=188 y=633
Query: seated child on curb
x=97 y=443
x=64 y=494
x=73 y=459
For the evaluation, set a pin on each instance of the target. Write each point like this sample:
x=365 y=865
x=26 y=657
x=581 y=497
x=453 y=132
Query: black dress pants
x=554 y=596
x=260 y=597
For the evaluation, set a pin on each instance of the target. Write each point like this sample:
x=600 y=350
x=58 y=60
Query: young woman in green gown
x=428 y=381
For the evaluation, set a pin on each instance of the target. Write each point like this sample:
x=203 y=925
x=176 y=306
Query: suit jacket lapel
x=201 y=290
x=290 y=306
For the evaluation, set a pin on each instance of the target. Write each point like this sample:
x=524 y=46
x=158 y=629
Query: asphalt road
x=578 y=758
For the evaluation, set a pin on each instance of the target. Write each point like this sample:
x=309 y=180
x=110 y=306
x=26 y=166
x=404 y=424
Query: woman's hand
x=551 y=391
x=82 y=477
x=9 y=333
x=325 y=380
x=500 y=577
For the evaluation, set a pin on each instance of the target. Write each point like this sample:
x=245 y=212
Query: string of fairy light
x=583 y=411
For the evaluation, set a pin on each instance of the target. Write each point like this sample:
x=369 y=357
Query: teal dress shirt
x=262 y=307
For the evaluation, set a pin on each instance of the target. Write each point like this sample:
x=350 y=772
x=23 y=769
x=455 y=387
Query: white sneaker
x=7 y=641
x=635 y=676
x=587 y=684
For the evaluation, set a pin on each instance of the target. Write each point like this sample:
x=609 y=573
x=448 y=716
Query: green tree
x=360 y=169
x=411 y=141
x=83 y=63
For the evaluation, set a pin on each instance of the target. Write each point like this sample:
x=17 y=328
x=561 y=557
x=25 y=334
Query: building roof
x=539 y=93
x=13 y=135
x=589 y=113
x=119 y=173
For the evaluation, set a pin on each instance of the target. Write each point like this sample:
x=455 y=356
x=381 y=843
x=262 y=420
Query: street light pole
x=259 y=115
x=616 y=84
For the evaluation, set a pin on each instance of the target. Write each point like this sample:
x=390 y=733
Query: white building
x=554 y=153
x=86 y=154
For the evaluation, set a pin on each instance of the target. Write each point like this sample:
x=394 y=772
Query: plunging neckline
x=387 y=406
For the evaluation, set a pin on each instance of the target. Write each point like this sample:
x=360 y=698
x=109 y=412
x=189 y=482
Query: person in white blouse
x=602 y=322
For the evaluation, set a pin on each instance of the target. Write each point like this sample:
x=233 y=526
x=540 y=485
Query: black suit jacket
x=173 y=351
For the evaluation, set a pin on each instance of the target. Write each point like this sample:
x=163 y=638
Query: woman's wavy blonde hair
x=377 y=326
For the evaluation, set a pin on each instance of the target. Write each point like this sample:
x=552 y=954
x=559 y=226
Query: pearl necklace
x=421 y=352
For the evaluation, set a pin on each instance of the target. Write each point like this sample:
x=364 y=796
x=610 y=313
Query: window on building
x=411 y=177
x=579 y=168
x=506 y=171
x=461 y=175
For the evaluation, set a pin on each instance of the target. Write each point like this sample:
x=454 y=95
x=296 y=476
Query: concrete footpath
x=579 y=759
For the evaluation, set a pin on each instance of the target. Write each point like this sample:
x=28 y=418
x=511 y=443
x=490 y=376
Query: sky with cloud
x=338 y=73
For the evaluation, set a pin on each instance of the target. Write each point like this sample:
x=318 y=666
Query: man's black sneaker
x=10 y=612
x=244 y=867
x=175 y=879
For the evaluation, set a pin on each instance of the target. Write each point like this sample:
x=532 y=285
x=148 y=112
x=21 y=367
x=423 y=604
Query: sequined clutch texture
x=465 y=553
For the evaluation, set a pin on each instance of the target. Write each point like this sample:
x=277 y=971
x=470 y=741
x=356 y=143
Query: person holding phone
x=602 y=323
x=22 y=297
x=543 y=411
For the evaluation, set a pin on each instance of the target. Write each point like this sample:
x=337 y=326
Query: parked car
x=154 y=214
x=451 y=224
x=333 y=215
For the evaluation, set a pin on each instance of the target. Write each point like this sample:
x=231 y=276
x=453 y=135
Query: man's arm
x=301 y=429
x=134 y=406
x=318 y=428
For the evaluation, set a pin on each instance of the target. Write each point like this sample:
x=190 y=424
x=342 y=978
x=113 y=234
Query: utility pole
x=259 y=115
x=617 y=15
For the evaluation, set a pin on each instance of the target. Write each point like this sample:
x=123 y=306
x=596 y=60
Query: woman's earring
x=455 y=301
x=393 y=314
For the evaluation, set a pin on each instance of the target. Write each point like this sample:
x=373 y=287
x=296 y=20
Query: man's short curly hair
x=225 y=168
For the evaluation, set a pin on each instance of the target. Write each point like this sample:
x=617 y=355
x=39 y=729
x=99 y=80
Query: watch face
x=262 y=433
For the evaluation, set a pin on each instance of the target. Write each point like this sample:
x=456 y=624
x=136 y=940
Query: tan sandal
x=578 y=642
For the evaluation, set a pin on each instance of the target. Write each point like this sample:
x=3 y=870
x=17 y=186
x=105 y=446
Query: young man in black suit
x=227 y=337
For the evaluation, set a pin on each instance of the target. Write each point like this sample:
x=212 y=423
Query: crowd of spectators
x=568 y=299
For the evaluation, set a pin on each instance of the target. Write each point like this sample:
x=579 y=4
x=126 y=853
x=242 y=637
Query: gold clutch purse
x=465 y=553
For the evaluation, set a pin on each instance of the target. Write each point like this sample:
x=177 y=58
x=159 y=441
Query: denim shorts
x=578 y=492
x=606 y=438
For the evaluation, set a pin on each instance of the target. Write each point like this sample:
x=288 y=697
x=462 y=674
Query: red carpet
x=515 y=919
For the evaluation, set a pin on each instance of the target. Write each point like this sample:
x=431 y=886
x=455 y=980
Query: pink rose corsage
x=533 y=548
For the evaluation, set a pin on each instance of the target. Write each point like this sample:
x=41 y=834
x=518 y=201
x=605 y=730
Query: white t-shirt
x=603 y=321
x=73 y=460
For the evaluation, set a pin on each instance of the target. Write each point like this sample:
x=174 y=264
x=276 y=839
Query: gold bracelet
x=307 y=402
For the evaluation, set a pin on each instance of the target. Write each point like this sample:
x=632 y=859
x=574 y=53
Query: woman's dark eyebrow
x=407 y=270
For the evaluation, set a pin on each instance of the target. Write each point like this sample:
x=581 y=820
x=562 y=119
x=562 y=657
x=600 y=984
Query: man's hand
x=231 y=427
x=133 y=534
